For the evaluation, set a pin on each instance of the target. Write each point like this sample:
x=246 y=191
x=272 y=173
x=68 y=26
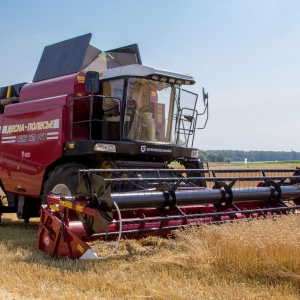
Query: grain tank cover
x=115 y=58
x=128 y=55
x=76 y=54
x=66 y=57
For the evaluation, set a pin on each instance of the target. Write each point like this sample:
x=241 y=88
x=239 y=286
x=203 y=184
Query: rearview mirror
x=92 y=82
x=205 y=97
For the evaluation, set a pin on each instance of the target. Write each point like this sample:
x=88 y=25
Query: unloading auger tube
x=139 y=202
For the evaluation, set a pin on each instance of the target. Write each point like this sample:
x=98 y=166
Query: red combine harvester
x=88 y=146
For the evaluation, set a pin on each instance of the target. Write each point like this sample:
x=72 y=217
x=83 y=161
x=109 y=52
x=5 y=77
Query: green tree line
x=251 y=156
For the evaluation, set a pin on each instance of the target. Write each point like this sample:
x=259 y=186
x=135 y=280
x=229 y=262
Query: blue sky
x=245 y=53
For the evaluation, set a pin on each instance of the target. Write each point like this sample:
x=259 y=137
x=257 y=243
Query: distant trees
x=238 y=155
x=202 y=155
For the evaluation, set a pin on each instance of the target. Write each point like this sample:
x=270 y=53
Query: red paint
x=33 y=132
x=66 y=242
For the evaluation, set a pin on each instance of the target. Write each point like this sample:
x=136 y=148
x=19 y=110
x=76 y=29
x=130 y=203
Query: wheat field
x=244 y=260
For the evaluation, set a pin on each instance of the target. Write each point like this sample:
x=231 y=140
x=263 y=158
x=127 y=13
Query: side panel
x=55 y=87
x=31 y=139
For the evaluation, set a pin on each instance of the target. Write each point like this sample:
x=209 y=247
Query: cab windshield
x=149 y=111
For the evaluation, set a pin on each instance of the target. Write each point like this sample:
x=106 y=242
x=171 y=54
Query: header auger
x=135 y=203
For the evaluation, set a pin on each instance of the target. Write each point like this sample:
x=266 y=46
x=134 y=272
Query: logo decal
x=158 y=150
x=194 y=153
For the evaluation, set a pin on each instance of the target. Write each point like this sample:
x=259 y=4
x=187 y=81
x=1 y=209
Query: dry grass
x=245 y=260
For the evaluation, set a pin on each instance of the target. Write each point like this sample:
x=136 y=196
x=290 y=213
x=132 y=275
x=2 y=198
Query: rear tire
x=63 y=180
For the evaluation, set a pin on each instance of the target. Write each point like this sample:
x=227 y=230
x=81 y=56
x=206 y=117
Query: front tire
x=63 y=180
